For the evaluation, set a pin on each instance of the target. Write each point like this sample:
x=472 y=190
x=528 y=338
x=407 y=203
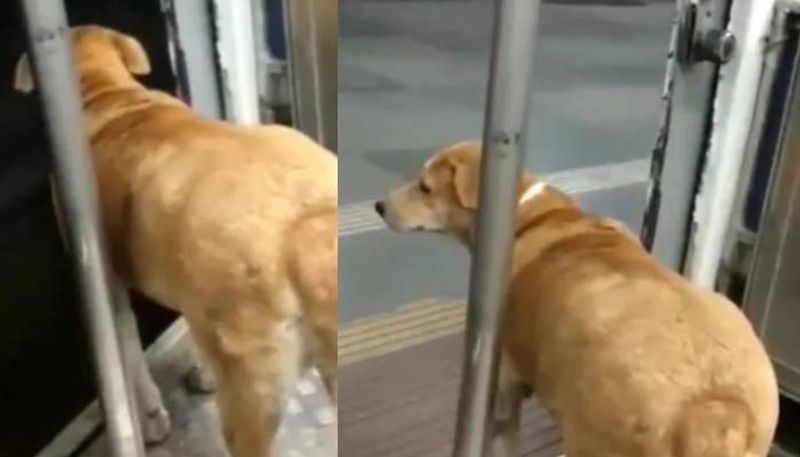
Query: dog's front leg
x=153 y=416
x=508 y=407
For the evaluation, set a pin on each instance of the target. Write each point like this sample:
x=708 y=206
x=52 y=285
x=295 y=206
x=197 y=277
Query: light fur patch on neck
x=533 y=191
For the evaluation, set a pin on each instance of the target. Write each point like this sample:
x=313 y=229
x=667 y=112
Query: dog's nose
x=380 y=208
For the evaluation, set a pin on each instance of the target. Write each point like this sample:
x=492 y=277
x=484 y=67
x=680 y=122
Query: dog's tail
x=714 y=427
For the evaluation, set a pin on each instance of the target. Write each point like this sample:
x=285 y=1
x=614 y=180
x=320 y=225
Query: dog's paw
x=156 y=426
x=200 y=380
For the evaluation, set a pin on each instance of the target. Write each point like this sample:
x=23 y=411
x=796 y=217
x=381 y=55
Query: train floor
x=399 y=383
x=308 y=429
x=399 y=380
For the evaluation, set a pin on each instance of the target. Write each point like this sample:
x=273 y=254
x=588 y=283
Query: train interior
x=411 y=79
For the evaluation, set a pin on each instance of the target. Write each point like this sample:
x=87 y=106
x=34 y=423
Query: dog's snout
x=380 y=207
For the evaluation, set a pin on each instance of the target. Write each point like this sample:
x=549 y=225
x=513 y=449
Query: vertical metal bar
x=312 y=32
x=236 y=51
x=192 y=50
x=734 y=103
x=689 y=91
x=271 y=70
x=51 y=53
x=515 y=26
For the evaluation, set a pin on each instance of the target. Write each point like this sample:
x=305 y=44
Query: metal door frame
x=688 y=92
x=218 y=62
x=227 y=70
x=772 y=239
x=740 y=238
x=312 y=40
x=190 y=34
x=702 y=148
x=237 y=52
x=733 y=117
x=774 y=227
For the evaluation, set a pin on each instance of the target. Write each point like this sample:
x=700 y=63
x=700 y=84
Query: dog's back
x=634 y=360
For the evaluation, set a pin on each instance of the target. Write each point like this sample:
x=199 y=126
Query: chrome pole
x=51 y=54
x=515 y=24
x=312 y=41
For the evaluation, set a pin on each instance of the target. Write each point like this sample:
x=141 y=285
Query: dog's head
x=96 y=49
x=445 y=196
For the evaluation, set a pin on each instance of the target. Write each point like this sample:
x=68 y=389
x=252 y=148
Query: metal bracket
x=275 y=85
x=739 y=260
x=713 y=45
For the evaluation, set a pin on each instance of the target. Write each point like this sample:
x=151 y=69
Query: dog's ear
x=466 y=177
x=23 y=75
x=132 y=52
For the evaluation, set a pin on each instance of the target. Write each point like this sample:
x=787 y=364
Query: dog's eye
x=424 y=187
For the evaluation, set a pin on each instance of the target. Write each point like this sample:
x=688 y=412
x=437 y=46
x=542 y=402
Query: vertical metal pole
x=515 y=26
x=236 y=50
x=51 y=53
x=312 y=39
x=192 y=50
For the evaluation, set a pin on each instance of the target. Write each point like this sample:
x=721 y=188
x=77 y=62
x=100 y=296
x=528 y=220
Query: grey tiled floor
x=413 y=77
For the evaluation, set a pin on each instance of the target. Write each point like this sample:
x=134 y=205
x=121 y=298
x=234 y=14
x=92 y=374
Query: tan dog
x=632 y=359
x=235 y=227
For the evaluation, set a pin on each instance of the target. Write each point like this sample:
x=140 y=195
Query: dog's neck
x=551 y=215
x=110 y=93
x=98 y=87
x=534 y=190
x=537 y=199
x=95 y=80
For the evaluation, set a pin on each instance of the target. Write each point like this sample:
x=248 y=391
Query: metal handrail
x=515 y=25
x=51 y=52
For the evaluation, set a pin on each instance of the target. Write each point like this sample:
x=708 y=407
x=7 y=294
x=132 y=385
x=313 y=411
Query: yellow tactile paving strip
x=408 y=326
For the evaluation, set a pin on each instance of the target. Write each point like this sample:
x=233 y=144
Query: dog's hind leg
x=324 y=335
x=328 y=363
x=508 y=407
x=327 y=366
x=256 y=362
x=313 y=250
x=153 y=416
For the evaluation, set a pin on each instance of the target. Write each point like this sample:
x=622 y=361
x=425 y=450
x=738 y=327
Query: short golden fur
x=632 y=359
x=233 y=226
